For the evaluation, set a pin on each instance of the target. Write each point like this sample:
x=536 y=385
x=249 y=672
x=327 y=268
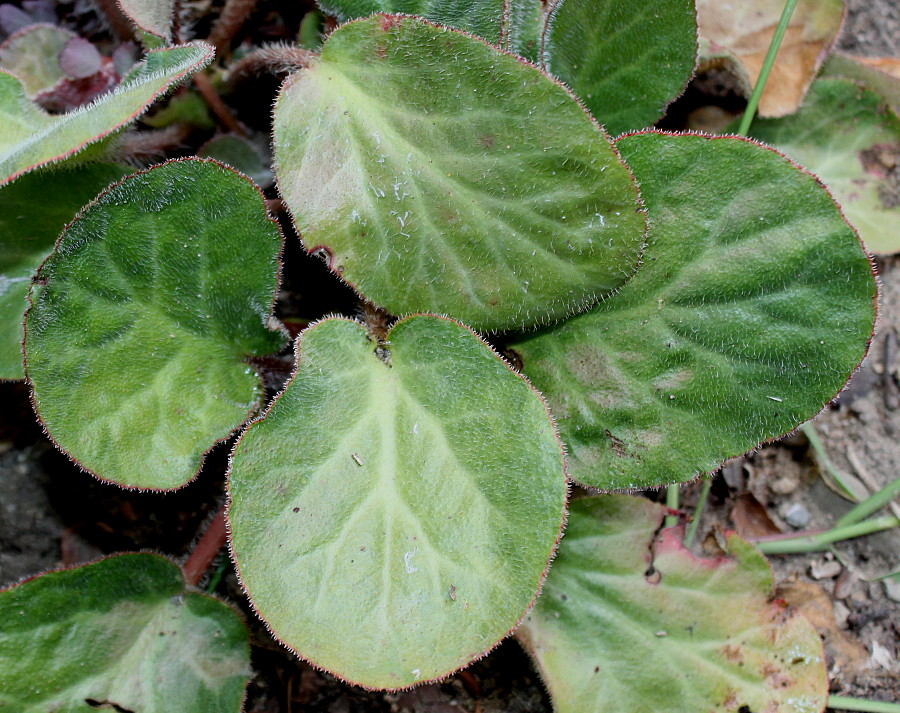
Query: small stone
x=825 y=570
x=841 y=614
x=892 y=588
x=785 y=485
x=844 y=584
x=797 y=516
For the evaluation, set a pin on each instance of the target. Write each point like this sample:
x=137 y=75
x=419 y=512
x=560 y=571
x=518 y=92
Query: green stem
x=809 y=430
x=750 y=112
x=672 y=504
x=871 y=504
x=858 y=704
x=698 y=511
x=819 y=542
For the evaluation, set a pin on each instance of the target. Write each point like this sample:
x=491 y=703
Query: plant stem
x=870 y=504
x=809 y=430
x=858 y=704
x=273 y=58
x=698 y=511
x=233 y=16
x=672 y=504
x=216 y=105
x=820 y=541
x=783 y=23
x=206 y=549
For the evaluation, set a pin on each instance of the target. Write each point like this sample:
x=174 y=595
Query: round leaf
x=754 y=305
x=153 y=17
x=33 y=138
x=626 y=60
x=143 y=317
x=392 y=521
x=850 y=138
x=29 y=226
x=629 y=622
x=427 y=165
x=32 y=54
x=120 y=634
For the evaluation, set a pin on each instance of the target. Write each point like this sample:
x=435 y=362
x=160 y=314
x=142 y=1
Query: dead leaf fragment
x=744 y=31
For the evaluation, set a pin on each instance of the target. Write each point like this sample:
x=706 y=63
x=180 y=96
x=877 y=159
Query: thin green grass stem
x=698 y=511
x=871 y=504
x=809 y=430
x=859 y=704
x=820 y=541
x=750 y=112
x=672 y=504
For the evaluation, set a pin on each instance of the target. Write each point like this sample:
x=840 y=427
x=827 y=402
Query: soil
x=52 y=514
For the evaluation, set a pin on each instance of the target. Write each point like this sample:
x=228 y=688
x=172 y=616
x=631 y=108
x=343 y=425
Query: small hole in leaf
x=744 y=709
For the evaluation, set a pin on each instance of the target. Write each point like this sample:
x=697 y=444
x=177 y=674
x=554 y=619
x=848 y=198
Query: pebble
x=825 y=570
x=797 y=516
x=892 y=589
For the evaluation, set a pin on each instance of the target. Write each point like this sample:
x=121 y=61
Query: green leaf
x=32 y=54
x=151 y=17
x=143 y=317
x=629 y=622
x=392 y=520
x=241 y=154
x=625 y=59
x=29 y=226
x=119 y=634
x=421 y=160
x=33 y=138
x=754 y=305
x=850 y=138
x=870 y=72
x=500 y=22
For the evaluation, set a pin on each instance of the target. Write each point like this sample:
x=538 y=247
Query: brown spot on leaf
x=617 y=445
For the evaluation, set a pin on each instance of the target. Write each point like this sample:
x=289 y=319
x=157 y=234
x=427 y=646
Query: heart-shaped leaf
x=120 y=634
x=744 y=30
x=629 y=622
x=422 y=160
x=754 y=305
x=393 y=514
x=151 y=17
x=33 y=138
x=143 y=317
x=625 y=59
x=32 y=54
x=501 y=22
x=850 y=138
x=29 y=226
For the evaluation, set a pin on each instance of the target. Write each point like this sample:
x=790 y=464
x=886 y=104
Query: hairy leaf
x=32 y=54
x=626 y=60
x=29 y=226
x=422 y=161
x=142 y=319
x=745 y=30
x=392 y=521
x=850 y=138
x=500 y=22
x=630 y=622
x=242 y=154
x=151 y=17
x=754 y=305
x=119 y=634
x=33 y=138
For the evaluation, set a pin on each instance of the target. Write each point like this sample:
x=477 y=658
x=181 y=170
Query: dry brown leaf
x=888 y=65
x=744 y=31
x=751 y=519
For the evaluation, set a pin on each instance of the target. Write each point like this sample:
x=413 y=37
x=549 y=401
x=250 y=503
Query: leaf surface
x=33 y=138
x=241 y=154
x=626 y=60
x=143 y=317
x=745 y=31
x=32 y=54
x=151 y=16
x=850 y=138
x=119 y=634
x=392 y=522
x=753 y=306
x=29 y=227
x=629 y=622
x=422 y=161
x=500 y=22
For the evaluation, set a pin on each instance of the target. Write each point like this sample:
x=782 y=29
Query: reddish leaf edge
x=165 y=38
x=876 y=299
x=672 y=538
x=271 y=322
x=205 y=60
x=543 y=577
x=186 y=589
x=544 y=53
x=573 y=307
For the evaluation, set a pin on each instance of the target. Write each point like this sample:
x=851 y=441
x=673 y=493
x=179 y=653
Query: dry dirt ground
x=52 y=514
